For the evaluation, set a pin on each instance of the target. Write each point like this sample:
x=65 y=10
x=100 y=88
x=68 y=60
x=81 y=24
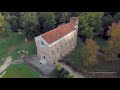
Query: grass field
x=75 y=57
x=20 y=71
x=9 y=46
x=105 y=67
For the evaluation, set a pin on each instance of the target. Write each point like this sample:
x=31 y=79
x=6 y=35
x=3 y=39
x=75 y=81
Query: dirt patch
x=19 y=61
x=11 y=49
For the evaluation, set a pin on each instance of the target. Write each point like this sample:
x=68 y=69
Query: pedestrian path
x=6 y=64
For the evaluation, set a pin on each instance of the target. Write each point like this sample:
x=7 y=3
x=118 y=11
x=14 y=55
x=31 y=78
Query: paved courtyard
x=45 y=69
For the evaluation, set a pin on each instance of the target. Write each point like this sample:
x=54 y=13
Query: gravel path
x=19 y=61
x=6 y=64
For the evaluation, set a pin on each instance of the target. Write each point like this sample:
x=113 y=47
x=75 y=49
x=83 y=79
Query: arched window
x=42 y=43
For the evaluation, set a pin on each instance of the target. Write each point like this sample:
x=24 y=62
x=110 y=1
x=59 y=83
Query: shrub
x=70 y=76
x=58 y=67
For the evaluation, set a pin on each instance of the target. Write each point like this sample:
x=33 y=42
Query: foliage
x=101 y=42
x=107 y=21
x=58 y=67
x=62 y=73
x=29 y=22
x=75 y=58
x=69 y=76
x=113 y=49
x=13 y=18
x=61 y=17
x=90 y=52
x=116 y=17
x=74 y=14
x=3 y=26
x=46 y=21
x=90 y=23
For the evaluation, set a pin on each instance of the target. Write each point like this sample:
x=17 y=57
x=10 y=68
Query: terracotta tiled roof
x=57 y=33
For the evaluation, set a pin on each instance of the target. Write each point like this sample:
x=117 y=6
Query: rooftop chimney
x=74 y=19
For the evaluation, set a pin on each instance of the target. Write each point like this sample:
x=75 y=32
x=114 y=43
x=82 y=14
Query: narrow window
x=44 y=57
x=57 y=49
x=61 y=46
x=69 y=41
x=53 y=52
x=65 y=43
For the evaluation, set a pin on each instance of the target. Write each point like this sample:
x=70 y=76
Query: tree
x=58 y=67
x=29 y=22
x=90 y=53
x=107 y=21
x=69 y=76
x=92 y=21
x=13 y=18
x=116 y=17
x=46 y=21
x=61 y=17
x=13 y=22
x=3 y=26
x=113 y=49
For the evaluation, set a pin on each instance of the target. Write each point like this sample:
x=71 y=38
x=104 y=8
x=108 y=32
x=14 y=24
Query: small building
x=55 y=44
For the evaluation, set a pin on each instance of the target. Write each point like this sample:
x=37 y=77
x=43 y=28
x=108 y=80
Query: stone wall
x=63 y=47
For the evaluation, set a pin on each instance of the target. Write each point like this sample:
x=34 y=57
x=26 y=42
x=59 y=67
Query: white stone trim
x=49 y=45
x=43 y=40
x=37 y=38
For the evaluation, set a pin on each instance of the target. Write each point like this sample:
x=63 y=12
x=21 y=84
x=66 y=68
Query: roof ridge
x=56 y=28
x=58 y=32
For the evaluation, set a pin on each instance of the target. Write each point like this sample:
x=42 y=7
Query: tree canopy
x=3 y=26
x=90 y=23
x=113 y=49
x=29 y=22
x=46 y=21
x=90 y=53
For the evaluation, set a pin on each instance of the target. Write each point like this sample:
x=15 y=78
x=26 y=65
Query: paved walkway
x=6 y=64
x=44 y=69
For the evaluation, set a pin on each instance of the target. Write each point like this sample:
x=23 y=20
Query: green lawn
x=105 y=67
x=9 y=46
x=75 y=57
x=20 y=71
